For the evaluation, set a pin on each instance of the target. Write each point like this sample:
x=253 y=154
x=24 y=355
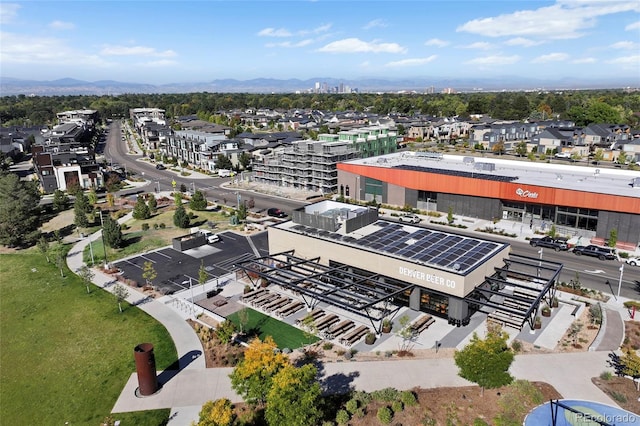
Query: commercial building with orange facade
x=586 y=201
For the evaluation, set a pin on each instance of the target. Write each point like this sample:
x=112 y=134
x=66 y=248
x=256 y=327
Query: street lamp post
x=158 y=186
x=104 y=246
x=620 y=280
x=91 y=250
x=540 y=263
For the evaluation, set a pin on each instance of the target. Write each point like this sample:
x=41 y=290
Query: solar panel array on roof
x=473 y=175
x=429 y=247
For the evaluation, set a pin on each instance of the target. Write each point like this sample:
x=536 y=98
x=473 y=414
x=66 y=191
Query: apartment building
x=312 y=165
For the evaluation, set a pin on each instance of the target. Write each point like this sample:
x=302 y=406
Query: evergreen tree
x=60 y=200
x=141 y=210
x=180 y=218
x=92 y=198
x=152 y=203
x=112 y=232
x=198 y=201
x=19 y=211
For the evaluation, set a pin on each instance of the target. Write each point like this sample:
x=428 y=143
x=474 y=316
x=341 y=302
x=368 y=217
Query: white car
x=411 y=218
x=633 y=261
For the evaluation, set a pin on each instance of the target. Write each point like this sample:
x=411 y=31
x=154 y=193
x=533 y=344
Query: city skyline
x=183 y=42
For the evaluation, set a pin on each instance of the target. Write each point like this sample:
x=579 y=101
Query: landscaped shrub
x=408 y=398
x=364 y=397
x=162 y=225
x=342 y=417
x=351 y=406
x=327 y=346
x=631 y=303
x=480 y=422
x=385 y=395
x=385 y=415
x=516 y=345
x=397 y=406
x=155 y=226
x=145 y=226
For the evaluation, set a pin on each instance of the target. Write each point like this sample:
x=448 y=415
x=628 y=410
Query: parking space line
x=131 y=263
x=149 y=259
x=162 y=254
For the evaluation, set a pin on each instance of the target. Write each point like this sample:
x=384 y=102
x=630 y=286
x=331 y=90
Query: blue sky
x=161 y=42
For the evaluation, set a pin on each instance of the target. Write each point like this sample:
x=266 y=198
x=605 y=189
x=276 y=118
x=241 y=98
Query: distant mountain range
x=68 y=86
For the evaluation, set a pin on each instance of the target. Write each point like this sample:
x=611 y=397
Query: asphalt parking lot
x=175 y=269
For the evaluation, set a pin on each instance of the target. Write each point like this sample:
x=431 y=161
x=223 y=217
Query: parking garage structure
x=347 y=256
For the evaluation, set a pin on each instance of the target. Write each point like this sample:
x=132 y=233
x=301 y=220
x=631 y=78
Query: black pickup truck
x=602 y=253
x=554 y=243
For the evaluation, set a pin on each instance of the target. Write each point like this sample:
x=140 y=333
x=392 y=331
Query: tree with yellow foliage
x=252 y=377
x=294 y=397
x=631 y=364
x=216 y=413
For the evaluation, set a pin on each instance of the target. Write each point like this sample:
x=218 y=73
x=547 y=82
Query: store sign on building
x=430 y=278
x=523 y=193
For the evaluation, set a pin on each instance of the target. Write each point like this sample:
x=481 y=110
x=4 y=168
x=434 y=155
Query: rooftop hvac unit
x=635 y=183
x=487 y=167
x=468 y=160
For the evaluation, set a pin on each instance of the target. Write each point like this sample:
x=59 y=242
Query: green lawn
x=66 y=355
x=285 y=335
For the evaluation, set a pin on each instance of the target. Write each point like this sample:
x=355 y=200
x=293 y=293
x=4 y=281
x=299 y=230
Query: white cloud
x=272 y=32
x=318 y=30
x=355 y=45
x=563 y=20
x=626 y=45
x=521 y=41
x=482 y=45
x=411 y=62
x=8 y=12
x=135 y=50
x=24 y=49
x=494 y=60
x=376 y=23
x=61 y=25
x=634 y=26
x=626 y=60
x=159 y=63
x=584 y=61
x=551 y=57
x=436 y=42
x=288 y=44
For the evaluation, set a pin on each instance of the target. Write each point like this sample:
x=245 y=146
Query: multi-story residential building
x=83 y=116
x=151 y=125
x=199 y=149
x=65 y=157
x=306 y=165
x=311 y=165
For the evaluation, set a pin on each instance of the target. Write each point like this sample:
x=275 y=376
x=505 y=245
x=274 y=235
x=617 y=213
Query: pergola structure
x=369 y=296
x=518 y=289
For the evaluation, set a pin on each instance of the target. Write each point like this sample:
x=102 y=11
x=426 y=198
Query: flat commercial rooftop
x=553 y=175
x=456 y=253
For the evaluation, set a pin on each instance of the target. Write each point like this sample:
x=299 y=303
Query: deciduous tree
x=292 y=399
x=60 y=200
x=43 y=247
x=486 y=361
x=120 y=293
x=252 y=377
x=216 y=413
x=86 y=275
x=149 y=272
x=630 y=361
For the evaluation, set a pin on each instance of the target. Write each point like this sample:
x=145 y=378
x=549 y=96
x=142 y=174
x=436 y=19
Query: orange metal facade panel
x=493 y=189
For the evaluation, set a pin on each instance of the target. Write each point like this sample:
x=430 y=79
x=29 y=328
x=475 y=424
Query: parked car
x=602 y=253
x=160 y=167
x=555 y=243
x=633 y=261
x=274 y=212
x=409 y=217
x=210 y=236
